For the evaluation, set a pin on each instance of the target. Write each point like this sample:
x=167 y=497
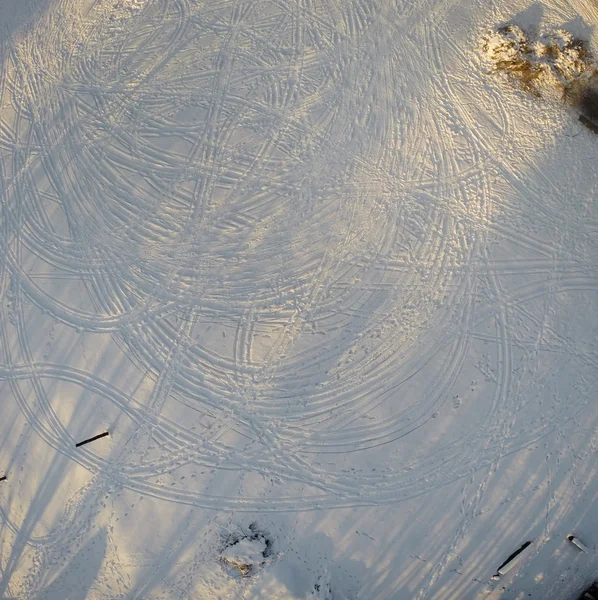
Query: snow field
x=317 y=272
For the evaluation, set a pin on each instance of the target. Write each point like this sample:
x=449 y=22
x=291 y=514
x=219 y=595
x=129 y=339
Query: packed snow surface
x=329 y=282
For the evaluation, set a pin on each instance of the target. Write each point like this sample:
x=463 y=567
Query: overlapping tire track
x=290 y=190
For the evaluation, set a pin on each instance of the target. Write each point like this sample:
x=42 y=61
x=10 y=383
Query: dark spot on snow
x=327 y=591
x=589 y=105
x=588 y=123
x=257 y=534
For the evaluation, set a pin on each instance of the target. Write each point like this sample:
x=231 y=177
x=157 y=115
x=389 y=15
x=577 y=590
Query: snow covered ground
x=330 y=285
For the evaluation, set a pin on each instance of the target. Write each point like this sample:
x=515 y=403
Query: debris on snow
x=590 y=593
x=554 y=64
x=577 y=542
x=248 y=551
x=510 y=562
x=245 y=554
x=92 y=439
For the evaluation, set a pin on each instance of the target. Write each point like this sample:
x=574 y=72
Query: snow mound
x=551 y=65
x=247 y=552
